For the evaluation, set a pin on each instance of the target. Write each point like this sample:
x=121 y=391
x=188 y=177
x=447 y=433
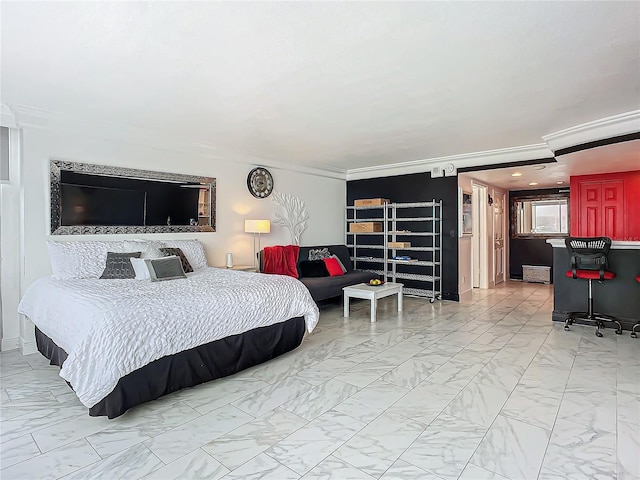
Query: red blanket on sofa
x=281 y=260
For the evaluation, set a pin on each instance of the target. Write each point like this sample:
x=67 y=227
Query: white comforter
x=110 y=328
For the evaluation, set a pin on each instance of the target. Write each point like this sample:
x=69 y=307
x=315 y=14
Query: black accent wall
x=528 y=251
x=420 y=187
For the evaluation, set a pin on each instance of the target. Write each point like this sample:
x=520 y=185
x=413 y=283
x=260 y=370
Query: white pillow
x=148 y=248
x=73 y=260
x=140 y=267
x=193 y=250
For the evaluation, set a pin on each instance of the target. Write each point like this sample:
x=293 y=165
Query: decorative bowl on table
x=374 y=282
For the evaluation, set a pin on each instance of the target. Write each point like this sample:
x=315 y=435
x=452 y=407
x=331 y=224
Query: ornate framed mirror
x=99 y=199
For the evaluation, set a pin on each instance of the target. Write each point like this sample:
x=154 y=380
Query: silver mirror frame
x=56 y=166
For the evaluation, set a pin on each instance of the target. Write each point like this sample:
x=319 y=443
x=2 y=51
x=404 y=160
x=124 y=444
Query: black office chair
x=588 y=259
x=637 y=325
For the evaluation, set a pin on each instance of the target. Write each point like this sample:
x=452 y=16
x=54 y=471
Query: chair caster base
x=567 y=322
x=598 y=334
x=634 y=335
x=619 y=331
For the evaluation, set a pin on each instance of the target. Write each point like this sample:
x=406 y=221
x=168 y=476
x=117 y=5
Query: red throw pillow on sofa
x=333 y=266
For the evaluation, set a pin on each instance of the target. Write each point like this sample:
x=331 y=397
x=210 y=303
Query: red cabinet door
x=602 y=209
x=590 y=206
x=613 y=209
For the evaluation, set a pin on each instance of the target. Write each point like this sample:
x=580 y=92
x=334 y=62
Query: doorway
x=499 y=231
x=479 y=257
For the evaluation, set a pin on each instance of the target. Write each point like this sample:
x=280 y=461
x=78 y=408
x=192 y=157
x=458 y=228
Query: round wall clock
x=260 y=182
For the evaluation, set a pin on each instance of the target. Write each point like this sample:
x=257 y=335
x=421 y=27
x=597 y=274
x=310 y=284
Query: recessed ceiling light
x=539 y=167
x=533 y=183
x=559 y=183
x=516 y=174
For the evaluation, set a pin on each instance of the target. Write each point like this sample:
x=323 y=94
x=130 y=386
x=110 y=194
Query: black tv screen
x=91 y=205
x=98 y=200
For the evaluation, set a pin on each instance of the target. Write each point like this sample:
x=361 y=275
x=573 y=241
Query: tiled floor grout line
x=426 y=426
x=505 y=402
x=441 y=411
x=560 y=405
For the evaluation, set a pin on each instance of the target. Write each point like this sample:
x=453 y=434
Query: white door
x=498 y=236
x=475 y=240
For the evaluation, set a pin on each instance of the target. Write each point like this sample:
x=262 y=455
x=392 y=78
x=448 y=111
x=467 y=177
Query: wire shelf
x=359 y=220
x=417 y=276
x=419 y=292
x=413 y=234
x=414 y=262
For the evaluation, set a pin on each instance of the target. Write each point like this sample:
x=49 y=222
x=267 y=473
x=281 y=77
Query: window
x=541 y=216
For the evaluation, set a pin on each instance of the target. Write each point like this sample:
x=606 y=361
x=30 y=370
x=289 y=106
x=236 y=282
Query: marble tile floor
x=482 y=389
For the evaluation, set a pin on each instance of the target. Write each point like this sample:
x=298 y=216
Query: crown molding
x=488 y=157
x=608 y=127
x=33 y=117
x=7 y=117
x=257 y=160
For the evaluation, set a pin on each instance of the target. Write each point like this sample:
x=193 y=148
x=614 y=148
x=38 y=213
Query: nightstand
x=241 y=268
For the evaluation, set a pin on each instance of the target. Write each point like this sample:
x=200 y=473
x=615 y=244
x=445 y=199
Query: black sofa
x=324 y=288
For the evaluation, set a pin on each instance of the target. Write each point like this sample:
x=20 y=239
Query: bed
x=123 y=342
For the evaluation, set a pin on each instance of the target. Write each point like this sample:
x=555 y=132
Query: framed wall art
x=466 y=215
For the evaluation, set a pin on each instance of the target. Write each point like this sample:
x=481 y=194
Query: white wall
x=10 y=245
x=324 y=197
x=465 y=285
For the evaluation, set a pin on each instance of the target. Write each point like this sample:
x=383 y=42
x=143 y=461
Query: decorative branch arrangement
x=295 y=215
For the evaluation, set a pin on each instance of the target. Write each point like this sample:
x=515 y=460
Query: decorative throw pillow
x=177 y=252
x=167 y=268
x=319 y=253
x=313 y=268
x=192 y=249
x=140 y=267
x=118 y=265
x=333 y=267
x=342 y=267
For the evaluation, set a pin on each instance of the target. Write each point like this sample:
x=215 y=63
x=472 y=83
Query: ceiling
x=341 y=85
x=618 y=157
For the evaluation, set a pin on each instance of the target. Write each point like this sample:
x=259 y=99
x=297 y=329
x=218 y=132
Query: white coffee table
x=362 y=290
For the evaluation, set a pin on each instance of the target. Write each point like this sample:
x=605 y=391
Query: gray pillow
x=344 y=270
x=167 y=268
x=319 y=254
x=186 y=266
x=118 y=265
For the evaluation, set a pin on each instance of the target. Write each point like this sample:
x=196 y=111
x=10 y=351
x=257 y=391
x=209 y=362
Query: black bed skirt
x=201 y=364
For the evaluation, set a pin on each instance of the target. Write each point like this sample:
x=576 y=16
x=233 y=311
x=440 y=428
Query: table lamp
x=256 y=227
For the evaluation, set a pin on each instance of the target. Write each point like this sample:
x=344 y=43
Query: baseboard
x=9 y=344
x=466 y=295
x=627 y=323
x=27 y=348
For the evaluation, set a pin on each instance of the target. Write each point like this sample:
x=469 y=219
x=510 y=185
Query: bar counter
x=619 y=297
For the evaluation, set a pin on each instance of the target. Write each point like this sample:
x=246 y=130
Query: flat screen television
x=88 y=205
x=90 y=200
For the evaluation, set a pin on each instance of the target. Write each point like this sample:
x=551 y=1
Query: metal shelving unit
x=371 y=250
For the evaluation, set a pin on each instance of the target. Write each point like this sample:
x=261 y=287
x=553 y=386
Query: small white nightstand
x=242 y=268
